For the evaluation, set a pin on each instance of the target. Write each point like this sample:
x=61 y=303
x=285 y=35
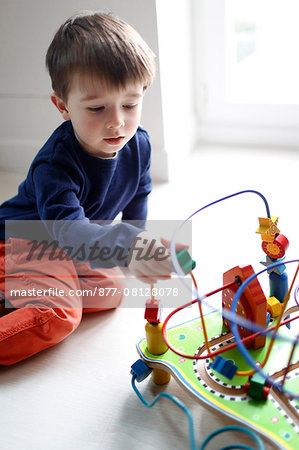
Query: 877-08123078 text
x=102 y=292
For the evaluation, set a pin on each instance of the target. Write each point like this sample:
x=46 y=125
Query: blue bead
x=224 y=366
x=267 y=261
x=140 y=370
x=278 y=285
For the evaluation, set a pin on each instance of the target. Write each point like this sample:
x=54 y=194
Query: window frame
x=218 y=120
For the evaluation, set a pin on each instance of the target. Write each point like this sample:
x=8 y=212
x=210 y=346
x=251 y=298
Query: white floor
x=77 y=395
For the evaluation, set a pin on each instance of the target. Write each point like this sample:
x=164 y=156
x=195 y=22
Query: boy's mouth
x=114 y=141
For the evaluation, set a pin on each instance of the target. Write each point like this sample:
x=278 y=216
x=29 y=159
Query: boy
x=94 y=166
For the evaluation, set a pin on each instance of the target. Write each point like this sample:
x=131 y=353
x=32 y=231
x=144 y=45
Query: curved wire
x=296 y=293
x=173 y=256
x=253 y=435
x=176 y=401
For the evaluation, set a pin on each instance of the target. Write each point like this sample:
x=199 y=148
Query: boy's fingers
x=165 y=242
x=178 y=246
x=157 y=265
x=164 y=268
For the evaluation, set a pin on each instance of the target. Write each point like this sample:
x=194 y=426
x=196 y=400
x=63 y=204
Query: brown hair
x=100 y=45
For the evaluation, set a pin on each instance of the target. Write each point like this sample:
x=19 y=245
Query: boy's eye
x=130 y=106
x=95 y=108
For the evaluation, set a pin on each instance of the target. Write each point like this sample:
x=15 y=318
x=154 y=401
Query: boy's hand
x=149 y=259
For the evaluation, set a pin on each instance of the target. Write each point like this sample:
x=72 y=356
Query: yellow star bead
x=268 y=228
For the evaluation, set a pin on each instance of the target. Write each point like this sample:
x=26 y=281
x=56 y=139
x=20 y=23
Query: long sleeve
x=65 y=221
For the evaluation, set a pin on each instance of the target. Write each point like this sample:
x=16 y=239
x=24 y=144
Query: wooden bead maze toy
x=242 y=361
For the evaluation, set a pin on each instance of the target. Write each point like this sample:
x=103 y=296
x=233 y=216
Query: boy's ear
x=60 y=105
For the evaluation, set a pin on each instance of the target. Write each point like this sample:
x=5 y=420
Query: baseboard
x=16 y=155
x=255 y=136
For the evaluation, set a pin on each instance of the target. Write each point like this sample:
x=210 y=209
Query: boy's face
x=104 y=119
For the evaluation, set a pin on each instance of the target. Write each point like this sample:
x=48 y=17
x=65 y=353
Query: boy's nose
x=115 y=120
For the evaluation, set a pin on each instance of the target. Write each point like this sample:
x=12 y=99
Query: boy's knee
x=29 y=330
x=67 y=319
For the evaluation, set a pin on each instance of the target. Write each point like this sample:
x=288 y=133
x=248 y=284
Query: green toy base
x=276 y=418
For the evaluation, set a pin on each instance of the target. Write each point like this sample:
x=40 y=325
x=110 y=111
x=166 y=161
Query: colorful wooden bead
x=185 y=260
x=152 y=311
x=256 y=387
x=267 y=261
x=156 y=346
x=274 y=306
x=140 y=370
x=268 y=228
x=278 y=285
x=277 y=248
x=224 y=366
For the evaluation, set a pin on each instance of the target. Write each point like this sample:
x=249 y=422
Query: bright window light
x=261 y=51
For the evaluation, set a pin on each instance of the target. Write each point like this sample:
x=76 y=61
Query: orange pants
x=48 y=296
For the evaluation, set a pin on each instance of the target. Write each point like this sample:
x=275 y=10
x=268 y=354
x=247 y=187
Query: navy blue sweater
x=68 y=189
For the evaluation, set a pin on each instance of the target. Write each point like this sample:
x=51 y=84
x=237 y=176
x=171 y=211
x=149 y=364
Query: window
x=247 y=70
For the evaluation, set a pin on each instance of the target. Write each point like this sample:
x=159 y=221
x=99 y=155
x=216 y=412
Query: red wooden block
x=252 y=304
x=152 y=311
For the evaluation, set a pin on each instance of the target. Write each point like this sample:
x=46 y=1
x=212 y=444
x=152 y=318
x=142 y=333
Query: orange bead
x=277 y=248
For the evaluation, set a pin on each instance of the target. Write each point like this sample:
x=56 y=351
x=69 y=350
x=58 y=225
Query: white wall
x=176 y=50
x=28 y=117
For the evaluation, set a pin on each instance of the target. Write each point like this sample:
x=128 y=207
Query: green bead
x=185 y=261
x=257 y=384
